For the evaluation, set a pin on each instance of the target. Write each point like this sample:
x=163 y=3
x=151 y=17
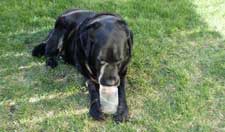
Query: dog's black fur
x=99 y=45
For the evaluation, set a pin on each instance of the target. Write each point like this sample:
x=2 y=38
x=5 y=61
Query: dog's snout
x=110 y=82
x=109 y=75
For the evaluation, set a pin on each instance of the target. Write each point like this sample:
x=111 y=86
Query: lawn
x=176 y=80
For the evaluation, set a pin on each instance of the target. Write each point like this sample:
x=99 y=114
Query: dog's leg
x=53 y=41
x=40 y=49
x=95 y=107
x=122 y=110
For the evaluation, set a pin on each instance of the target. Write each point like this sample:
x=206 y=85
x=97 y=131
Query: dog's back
x=72 y=18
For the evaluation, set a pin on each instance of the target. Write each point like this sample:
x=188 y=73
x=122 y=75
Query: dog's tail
x=39 y=50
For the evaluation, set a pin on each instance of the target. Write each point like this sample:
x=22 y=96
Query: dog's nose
x=110 y=82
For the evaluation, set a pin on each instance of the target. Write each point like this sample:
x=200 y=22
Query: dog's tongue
x=109 y=99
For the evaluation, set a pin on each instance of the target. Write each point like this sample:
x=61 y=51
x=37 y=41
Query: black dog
x=99 y=45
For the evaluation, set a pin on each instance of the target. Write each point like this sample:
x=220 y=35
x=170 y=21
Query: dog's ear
x=129 y=34
x=87 y=38
x=92 y=26
x=84 y=43
x=130 y=41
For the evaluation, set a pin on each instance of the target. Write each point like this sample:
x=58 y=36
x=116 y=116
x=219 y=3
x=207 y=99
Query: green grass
x=176 y=80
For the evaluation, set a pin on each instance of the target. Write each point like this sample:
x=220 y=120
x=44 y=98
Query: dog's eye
x=102 y=62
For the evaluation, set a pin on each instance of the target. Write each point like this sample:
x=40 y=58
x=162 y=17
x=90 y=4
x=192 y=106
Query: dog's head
x=107 y=47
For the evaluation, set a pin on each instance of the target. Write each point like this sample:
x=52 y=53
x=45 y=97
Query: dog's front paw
x=95 y=111
x=51 y=62
x=121 y=114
